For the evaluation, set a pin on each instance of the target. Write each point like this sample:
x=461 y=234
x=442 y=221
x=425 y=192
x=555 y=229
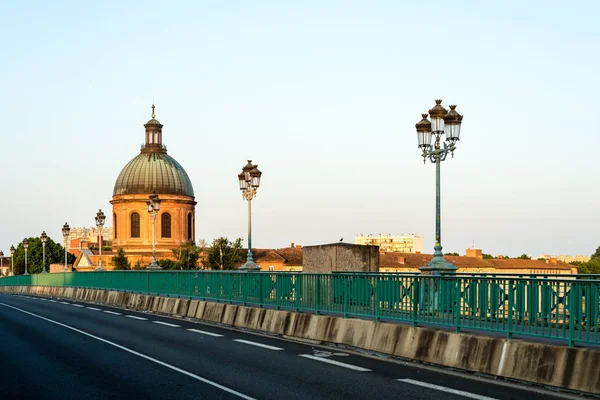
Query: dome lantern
x=153 y=135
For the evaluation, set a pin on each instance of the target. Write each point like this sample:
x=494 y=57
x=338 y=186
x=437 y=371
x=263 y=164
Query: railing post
x=509 y=327
x=457 y=307
x=297 y=291
x=416 y=300
x=377 y=297
x=573 y=303
x=318 y=286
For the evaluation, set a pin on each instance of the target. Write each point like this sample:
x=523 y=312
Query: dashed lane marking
x=205 y=333
x=445 y=389
x=113 y=313
x=333 y=362
x=264 y=346
x=64 y=302
x=135 y=317
x=92 y=308
x=166 y=324
x=77 y=305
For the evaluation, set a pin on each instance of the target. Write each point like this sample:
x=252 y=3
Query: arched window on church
x=114 y=225
x=189 y=226
x=165 y=225
x=135 y=225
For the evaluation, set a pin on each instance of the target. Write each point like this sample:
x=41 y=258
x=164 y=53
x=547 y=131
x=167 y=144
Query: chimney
x=553 y=260
x=402 y=260
x=293 y=245
x=475 y=253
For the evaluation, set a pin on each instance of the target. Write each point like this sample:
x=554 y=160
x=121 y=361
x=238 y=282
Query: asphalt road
x=63 y=349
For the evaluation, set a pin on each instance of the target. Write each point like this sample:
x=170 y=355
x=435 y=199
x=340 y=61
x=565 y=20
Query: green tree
x=168 y=264
x=187 y=256
x=596 y=254
x=487 y=256
x=524 y=257
x=120 y=260
x=452 y=254
x=55 y=254
x=223 y=254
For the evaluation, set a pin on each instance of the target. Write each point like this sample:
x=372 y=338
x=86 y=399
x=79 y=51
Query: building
x=565 y=258
x=407 y=243
x=152 y=171
x=84 y=238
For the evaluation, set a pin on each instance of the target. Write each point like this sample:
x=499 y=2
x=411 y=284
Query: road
x=63 y=349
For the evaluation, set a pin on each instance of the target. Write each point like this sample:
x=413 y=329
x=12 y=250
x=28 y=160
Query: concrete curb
x=543 y=364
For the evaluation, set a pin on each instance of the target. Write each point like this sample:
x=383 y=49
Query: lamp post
x=249 y=180
x=25 y=246
x=153 y=203
x=448 y=123
x=66 y=229
x=44 y=238
x=100 y=218
x=1 y=263
x=12 y=259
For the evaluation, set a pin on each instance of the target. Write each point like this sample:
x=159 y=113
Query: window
x=165 y=225
x=271 y=268
x=114 y=225
x=190 y=228
x=135 y=225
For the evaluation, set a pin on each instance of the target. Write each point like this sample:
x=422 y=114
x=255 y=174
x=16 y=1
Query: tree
x=55 y=254
x=168 y=264
x=452 y=254
x=524 y=257
x=187 y=256
x=223 y=254
x=487 y=256
x=596 y=254
x=120 y=260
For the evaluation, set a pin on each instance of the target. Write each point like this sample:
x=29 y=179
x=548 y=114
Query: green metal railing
x=565 y=308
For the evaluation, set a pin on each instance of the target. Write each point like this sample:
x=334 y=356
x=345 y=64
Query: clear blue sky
x=324 y=97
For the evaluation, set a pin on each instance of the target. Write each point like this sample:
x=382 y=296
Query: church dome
x=153 y=170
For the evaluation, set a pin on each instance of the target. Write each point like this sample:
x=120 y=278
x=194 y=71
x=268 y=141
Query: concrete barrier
x=540 y=363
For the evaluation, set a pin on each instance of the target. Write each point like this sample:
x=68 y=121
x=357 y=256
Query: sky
x=323 y=96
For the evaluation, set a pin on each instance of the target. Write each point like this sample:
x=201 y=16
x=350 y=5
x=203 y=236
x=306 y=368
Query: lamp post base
x=250 y=266
x=437 y=265
x=44 y=272
x=100 y=268
x=154 y=265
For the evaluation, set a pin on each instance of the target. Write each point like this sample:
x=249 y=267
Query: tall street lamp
x=25 y=246
x=1 y=263
x=249 y=180
x=44 y=238
x=448 y=123
x=153 y=203
x=66 y=229
x=100 y=218
x=12 y=259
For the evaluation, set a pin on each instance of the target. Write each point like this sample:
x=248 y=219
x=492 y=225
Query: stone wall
x=340 y=257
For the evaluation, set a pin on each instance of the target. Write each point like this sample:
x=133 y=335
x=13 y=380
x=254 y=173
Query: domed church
x=152 y=171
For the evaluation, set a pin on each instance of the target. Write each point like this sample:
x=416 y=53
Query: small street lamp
x=448 y=123
x=65 y=231
x=100 y=218
x=25 y=246
x=249 y=180
x=44 y=238
x=1 y=263
x=153 y=203
x=12 y=259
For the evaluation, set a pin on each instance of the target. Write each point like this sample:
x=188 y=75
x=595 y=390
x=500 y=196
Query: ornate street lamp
x=25 y=246
x=12 y=259
x=66 y=229
x=448 y=123
x=153 y=203
x=1 y=262
x=249 y=180
x=44 y=238
x=100 y=218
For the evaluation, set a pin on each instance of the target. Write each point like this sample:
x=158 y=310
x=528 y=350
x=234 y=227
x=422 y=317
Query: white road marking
x=166 y=324
x=113 y=313
x=134 y=317
x=52 y=301
x=205 y=333
x=154 y=360
x=445 y=389
x=42 y=299
x=77 y=305
x=264 y=346
x=64 y=302
x=333 y=362
x=92 y=308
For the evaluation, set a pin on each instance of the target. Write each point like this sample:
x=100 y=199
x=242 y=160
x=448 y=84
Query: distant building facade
x=565 y=258
x=407 y=243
